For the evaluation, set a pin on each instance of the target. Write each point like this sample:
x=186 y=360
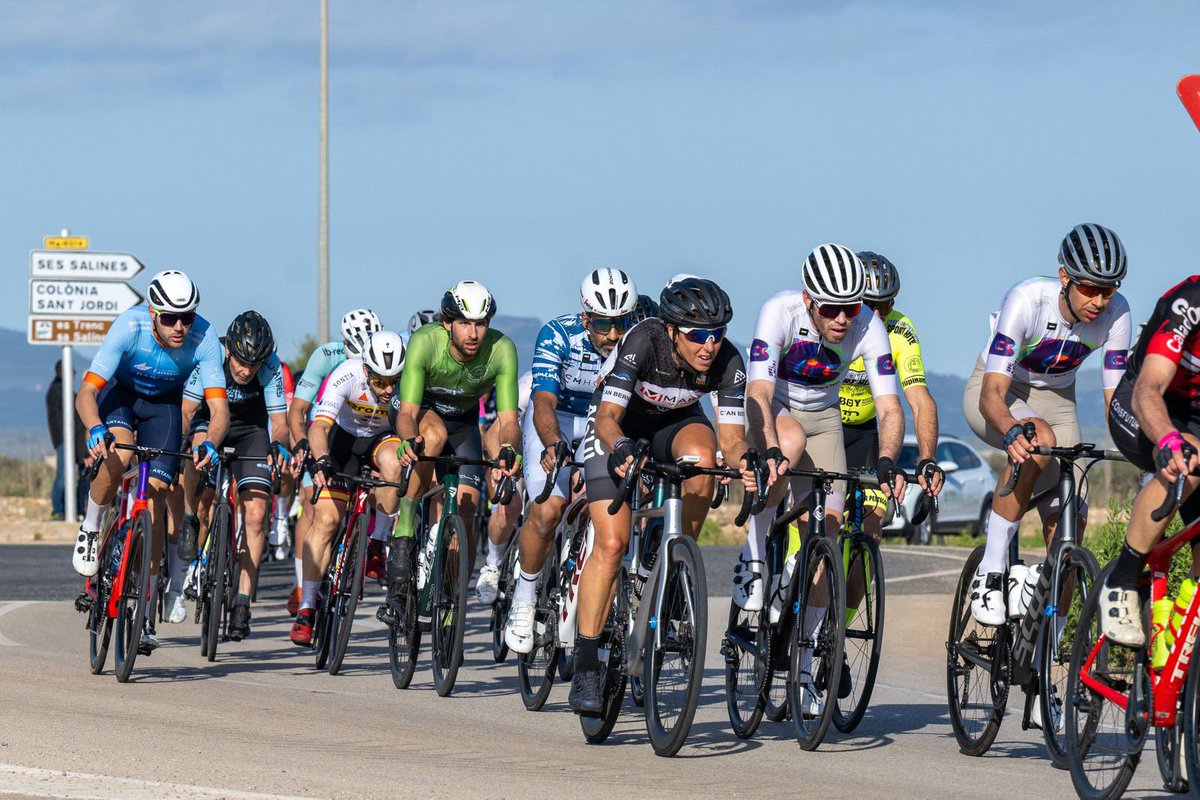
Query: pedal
x=385 y=615
x=83 y=603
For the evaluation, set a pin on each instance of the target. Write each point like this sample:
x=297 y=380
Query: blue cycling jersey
x=322 y=362
x=137 y=359
x=566 y=364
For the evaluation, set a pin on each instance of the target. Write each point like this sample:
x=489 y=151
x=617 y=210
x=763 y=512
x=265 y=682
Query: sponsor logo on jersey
x=739 y=377
x=1051 y=326
x=630 y=359
x=1002 y=346
x=1055 y=356
x=1115 y=359
x=885 y=364
x=811 y=363
x=913 y=364
x=759 y=351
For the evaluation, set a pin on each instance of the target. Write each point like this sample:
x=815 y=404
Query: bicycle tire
x=827 y=645
x=450 y=604
x=1191 y=728
x=404 y=638
x=323 y=621
x=1167 y=744
x=500 y=608
x=1084 y=715
x=865 y=625
x=218 y=564
x=350 y=586
x=683 y=624
x=131 y=614
x=99 y=623
x=747 y=669
x=536 y=669
x=597 y=729
x=1078 y=568
x=973 y=662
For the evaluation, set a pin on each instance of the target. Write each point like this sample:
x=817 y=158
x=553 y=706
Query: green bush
x=21 y=478
x=1105 y=542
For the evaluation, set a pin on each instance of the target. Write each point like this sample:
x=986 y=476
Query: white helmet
x=422 y=318
x=172 y=291
x=608 y=292
x=467 y=300
x=384 y=353
x=833 y=274
x=357 y=326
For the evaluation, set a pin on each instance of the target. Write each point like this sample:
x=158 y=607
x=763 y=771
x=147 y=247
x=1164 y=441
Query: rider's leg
x=433 y=432
x=696 y=440
x=104 y=486
x=387 y=499
x=303 y=524
x=254 y=503
x=1005 y=517
x=327 y=513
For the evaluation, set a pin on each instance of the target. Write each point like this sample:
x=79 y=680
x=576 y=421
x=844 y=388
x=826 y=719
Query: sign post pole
x=68 y=427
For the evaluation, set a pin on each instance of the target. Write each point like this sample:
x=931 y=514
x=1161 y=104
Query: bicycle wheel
x=135 y=596
x=1191 y=728
x=817 y=643
x=596 y=729
x=673 y=666
x=99 y=623
x=1104 y=738
x=404 y=635
x=350 y=586
x=216 y=596
x=500 y=608
x=747 y=670
x=323 y=622
x=1169 y=747
x=1077 y=573
x=535 y=669
x=864 y=630
x=450 y=604
x=977 y=660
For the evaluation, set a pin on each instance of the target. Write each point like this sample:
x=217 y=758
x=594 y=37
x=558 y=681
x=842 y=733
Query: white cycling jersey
x=807 y=369
x=348 y=401
x=1032 y=341
x=524 y=391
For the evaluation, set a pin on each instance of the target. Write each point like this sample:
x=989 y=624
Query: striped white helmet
x=1094 y=254
x=608 y=292
x=384 y=353
x=357 y=327
x=172 y=291
x=883 y=280
x=833 y=274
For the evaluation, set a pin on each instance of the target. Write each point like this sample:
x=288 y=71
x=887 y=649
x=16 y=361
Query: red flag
x=1189 y=93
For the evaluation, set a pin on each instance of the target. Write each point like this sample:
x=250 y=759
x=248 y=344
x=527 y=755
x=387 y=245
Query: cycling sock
x=91 y=519
x=383 y=525
x=495 y=553
x=587 y=653
x=995 y=554
x=299 y=562
x=526 y=587
x=756 y=538
x=174 y=568
x=308 y=594
x=242 y=600
x=404 y=518
x=1127 y=569
x=813 y=617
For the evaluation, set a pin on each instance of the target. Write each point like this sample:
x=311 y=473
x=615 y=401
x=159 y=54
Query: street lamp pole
x=323 y=233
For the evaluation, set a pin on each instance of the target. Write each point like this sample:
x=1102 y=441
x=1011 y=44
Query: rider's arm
x=633 y=357
x=271 y=377
x=730 y=403
x=545 y=418
x=880 y=365
x=336 y=389
x=504 y=359
x=407 y=401
x=318 y=436
x=1155 y=376
x=911 y=368
x=549 y=354
x=210 y=357
x=1116 y=350
x=1001 y=359
x=765 y=352
x=608 y=423
x=297 y=418
x=759 y=395
x=122 y=334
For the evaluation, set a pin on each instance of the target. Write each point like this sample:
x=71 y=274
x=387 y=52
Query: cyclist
x=150 y=351
x=355 y=326
x=566 y=366
x=281 y=505
x=645 y=308
x=804 y=344
x=450 y=367
x=1154 y=420
x=860 y=429
x=254 y=384
x=426 y=316
x=350 y=429
x=650 y=388
x=1045 y=330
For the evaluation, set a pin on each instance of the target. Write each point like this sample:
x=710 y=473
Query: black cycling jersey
x=247 y=401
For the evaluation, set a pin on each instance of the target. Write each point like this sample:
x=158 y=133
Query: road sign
x=65 y=242
x=80 y=298
x=60 y=331
x=87 y=265
x=1189 y=94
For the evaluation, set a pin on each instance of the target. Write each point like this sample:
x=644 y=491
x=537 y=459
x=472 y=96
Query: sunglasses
x=835 y=310
x=1088 y=290
x=169 y=320
x=703 y=335
x=603 y=325
x=381 y=381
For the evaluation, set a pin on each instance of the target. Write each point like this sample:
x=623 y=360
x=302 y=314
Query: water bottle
x=1160 y=631
x=1015 y=590
x=425 y=557
x=1187 y=590
x=118 y=550
x=781 y=585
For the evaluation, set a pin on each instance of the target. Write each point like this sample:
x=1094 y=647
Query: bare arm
x=218 y=419
x=759 y=395
x=297 y=417
x=925 y=420
x=545 y=419
x=86 y=405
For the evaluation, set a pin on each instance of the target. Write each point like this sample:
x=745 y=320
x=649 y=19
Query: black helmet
x=883 y=279
x=249 y=338
x=695 y=303
x=645 y=308
x=1093 y=253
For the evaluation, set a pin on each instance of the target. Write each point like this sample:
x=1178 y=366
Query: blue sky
x=523 y=144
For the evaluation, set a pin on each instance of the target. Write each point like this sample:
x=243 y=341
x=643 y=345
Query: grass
x=21 y=478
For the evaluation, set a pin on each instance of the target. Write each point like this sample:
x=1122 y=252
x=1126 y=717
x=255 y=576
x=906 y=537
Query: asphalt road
x=262 y=722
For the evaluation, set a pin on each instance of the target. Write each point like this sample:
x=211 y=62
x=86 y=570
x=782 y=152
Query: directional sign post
x=60 y=264
x=80 y=298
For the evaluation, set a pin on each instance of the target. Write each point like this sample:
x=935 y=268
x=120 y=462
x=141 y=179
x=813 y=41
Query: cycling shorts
x=824 y=448
x=572 y=429
x=350 y=454
x=464 y=441
x=155 y=421
x=660 y=430
x=249 y=440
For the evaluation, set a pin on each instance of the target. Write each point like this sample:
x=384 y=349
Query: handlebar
x=1174 y=498
x=679 y=472
x=552 y=476
x=1071 y=453
x=1029 y=431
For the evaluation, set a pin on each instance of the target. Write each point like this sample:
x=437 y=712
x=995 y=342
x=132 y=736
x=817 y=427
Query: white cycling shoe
x=748 y=582
x=988 y=605
x=176 y=609
x=518 y=631
x=810 y=702
x=1121 y=616
x=1056 y=713
x=84 y=558
x=488 y=585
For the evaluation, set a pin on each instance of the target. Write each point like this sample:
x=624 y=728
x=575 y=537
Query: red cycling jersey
x=1173 y=331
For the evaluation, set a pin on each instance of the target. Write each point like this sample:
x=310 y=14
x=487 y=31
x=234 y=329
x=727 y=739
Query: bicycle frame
x=140 y=503
x=448 y=487
x=357 y=506
x=668 y=506
x=568 y=596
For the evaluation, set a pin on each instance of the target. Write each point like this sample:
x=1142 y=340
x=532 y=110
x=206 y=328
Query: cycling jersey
x=348 y=402
x=250 y=404
x=642 y=376
x=289 y=383
x=1173 y=332
x=322 y=362
x=435 y=379
x=565 y=363
x=787 y=345
x=857 y=402
x=133 y=354
x=1034 y=344
x=524 y=392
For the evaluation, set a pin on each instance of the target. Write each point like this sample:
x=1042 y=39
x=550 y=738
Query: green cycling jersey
x=435 y=379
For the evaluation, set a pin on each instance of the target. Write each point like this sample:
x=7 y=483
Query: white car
x=965 y=500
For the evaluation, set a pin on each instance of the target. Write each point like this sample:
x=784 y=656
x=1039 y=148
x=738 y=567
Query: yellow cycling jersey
x=855 y=399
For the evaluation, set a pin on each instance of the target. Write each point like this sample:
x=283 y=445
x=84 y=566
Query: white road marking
x=12 y=605
x=939 y=574
x=922 y=552
x=34 y=782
